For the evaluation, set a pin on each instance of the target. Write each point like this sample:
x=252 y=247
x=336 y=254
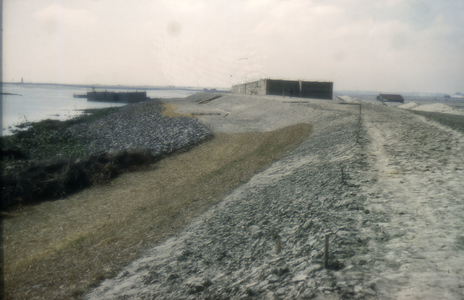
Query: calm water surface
x=36 y=102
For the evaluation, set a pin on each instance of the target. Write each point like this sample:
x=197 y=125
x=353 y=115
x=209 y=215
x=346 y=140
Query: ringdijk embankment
x=367 y=178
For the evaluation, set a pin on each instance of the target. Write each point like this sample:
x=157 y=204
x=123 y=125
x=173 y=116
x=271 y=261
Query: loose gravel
x=141 y=126
x=265 y=239
x=454 y=121
x=385 y=188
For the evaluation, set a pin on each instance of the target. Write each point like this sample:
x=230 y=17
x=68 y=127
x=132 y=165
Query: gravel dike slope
x=385 y=186
x=141 y=126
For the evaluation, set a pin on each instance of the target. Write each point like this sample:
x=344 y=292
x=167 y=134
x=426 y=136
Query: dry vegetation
x=171 y=111
x=59 y=249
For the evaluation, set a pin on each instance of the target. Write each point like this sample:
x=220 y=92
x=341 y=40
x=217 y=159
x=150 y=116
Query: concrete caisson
x=280 y=87
x=123 y=97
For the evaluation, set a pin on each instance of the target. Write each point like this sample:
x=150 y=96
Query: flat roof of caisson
x=288 y=80
x=391 y=97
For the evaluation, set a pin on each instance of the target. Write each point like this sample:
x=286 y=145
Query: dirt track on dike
x=385 y=186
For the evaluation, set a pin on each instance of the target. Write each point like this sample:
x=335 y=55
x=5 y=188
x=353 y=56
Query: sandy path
x=415 y=198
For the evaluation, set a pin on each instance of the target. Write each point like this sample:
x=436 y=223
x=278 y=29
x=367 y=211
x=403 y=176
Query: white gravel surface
x=434 y=107
x=387 y=188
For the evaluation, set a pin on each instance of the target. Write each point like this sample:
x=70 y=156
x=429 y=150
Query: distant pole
x=342 y=174
x=359 y=125
x=326 y=252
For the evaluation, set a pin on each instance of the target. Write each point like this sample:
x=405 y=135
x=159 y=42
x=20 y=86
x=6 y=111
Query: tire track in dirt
x=415 y=204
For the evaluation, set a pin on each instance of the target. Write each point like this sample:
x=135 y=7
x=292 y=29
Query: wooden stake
x=278 y=246
x=326 y=252
x=343 y=174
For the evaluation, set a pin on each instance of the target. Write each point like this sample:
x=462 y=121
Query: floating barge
x=111 y=96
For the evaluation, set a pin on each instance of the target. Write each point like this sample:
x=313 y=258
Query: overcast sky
x=380 y=45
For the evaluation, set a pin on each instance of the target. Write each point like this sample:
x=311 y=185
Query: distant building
x=390 y=98
x=279 y=87
x=447 y=96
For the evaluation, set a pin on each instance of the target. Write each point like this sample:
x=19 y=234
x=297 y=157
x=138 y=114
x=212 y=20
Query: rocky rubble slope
x=141 y=126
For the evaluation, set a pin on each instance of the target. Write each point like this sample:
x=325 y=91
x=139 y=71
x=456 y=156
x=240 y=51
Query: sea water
x=36 y=102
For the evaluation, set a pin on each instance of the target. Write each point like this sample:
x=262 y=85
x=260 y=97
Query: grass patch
x=170 y=110
x=79 y=240
x=60 y=249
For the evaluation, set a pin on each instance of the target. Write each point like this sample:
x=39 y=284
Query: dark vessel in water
x=111 y=96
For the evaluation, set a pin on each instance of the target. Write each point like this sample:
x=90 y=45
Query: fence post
x=326 y=251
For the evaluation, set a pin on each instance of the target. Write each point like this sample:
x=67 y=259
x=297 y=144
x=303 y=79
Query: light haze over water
x=36 y=102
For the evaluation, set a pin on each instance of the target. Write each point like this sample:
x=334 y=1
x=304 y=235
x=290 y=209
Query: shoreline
x=49 y=156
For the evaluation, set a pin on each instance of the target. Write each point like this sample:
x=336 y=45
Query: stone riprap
x=141 y=126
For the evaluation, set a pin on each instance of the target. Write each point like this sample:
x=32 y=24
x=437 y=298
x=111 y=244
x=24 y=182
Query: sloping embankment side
x=133 y=135
x=454 y=121
x=389 y=204
x=266 y=237
x=142 y=126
